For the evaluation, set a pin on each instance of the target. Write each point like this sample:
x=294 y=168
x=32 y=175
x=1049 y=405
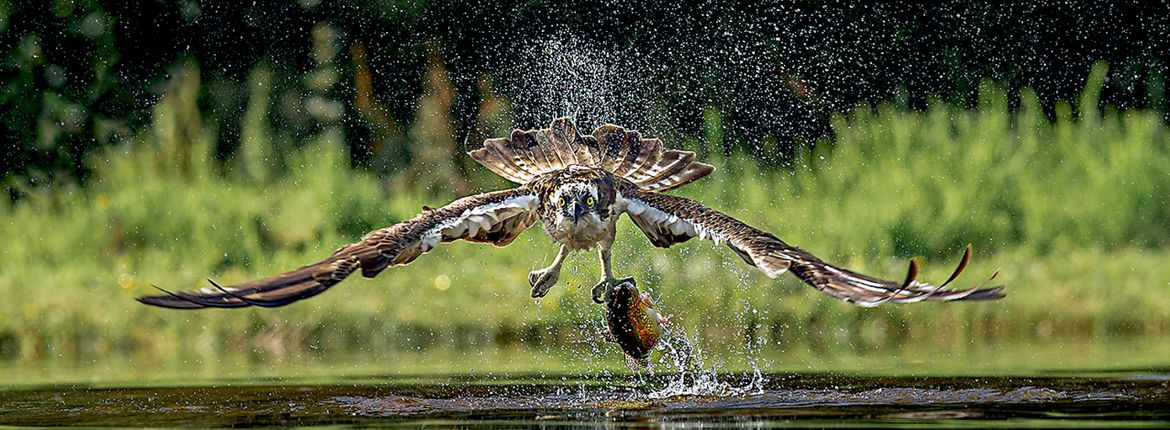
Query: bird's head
x=576 y=197
x=578 y=202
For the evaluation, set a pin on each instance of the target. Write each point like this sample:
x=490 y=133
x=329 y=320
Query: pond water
x=734 y=400
x=1072 y=383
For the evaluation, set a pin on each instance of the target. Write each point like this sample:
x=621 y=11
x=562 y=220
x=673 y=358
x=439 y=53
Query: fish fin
x=645 y=297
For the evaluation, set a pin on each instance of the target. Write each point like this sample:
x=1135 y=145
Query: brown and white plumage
x=669 y=220
x=577 y=186
x=496 y=218
x=527 y=155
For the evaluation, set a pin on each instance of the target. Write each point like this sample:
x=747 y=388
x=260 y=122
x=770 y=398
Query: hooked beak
x=577 y=211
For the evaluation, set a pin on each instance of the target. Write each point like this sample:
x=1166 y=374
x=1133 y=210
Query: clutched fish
x=633 y=323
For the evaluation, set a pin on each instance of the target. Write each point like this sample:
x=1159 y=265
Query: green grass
x=1072 y=211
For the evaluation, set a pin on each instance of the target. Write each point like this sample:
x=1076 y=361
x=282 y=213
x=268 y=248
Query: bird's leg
x=605 y=285
x=543 y=279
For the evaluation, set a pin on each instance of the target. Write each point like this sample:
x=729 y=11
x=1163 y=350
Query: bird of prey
x=577 y=187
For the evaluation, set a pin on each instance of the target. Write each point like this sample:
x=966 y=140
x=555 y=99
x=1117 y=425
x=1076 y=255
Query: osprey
x=577 y=187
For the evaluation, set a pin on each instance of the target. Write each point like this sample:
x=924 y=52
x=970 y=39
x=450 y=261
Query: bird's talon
x=601 y=292
x=541 y=281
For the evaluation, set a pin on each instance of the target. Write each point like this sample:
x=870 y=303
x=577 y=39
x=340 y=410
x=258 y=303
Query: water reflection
x=1114 y=382
x=593 y=357
x=533 y=399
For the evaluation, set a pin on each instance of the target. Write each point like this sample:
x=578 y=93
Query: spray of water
x=588 y=82
x=595 y=84
x=690 y=376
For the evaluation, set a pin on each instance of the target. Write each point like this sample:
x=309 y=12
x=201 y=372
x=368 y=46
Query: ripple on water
x=712 y=397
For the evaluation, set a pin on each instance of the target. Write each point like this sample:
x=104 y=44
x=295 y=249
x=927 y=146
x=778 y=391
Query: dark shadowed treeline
x=78 y=75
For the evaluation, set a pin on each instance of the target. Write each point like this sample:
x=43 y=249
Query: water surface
x=1065 y=383
x=721 y=399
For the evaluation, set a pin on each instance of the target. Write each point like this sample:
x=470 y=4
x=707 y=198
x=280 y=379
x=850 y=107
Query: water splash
x=692 y=377
x=587 y=81
x=677 y=368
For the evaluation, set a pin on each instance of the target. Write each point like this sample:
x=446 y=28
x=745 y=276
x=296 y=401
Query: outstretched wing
x=668 y=220
x=496 y=218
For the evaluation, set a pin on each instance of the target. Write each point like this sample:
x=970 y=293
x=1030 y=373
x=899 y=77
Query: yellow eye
x=589 y=201
x=561 y=201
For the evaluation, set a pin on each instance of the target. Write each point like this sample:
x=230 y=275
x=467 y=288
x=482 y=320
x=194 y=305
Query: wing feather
x=496 y=218
x=667 y=220
x=612 y=146
x=502 y=159
x=527 y=155
x=520 y=145
x=564 y=140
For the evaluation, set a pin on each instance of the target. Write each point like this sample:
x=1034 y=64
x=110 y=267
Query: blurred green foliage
x=1073 y=210
x=61 y=94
